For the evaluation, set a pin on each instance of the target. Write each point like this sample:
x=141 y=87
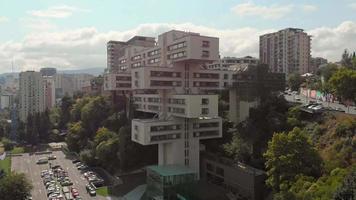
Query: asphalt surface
x=304 y=100
x=27 y=164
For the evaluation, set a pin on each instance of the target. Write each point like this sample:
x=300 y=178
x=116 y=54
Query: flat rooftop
x=171 y=170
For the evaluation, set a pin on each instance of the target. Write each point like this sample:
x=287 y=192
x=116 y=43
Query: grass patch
x=102 y=191
x=18 y=150
x=6 y=164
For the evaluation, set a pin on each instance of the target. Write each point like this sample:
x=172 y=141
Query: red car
x=75 y=192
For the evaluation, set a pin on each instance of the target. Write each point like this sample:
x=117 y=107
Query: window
x=204 y=101
x=177 y=55
x=205 y=111
x=205 y=54
x=226 y=76
x=206 y=44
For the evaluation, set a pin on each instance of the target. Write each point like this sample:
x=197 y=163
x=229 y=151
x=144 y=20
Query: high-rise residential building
x=49 y=91
x=231 y=63
x=31 y=94
x=316 y=62
x=170 y=80
x=48 y=71
x=286 y=51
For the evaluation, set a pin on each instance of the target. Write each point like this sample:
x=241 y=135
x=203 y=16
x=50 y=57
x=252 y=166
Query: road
x=27 y=164
x=304 y=100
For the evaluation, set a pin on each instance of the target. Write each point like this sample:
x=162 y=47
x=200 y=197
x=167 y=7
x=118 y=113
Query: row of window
x=206 y=125
x=165 y=128
x=177 y=46
x=154 y=60
x=123 y=78
x=122 y=61
x=166 y=83
x=205 y=133
x=165 y=137
x=138 y=57
x=165 y=74
x=205 y=84
x=176 y=110
x=177 y=55
x=154 y=52
x=206 y=75
x=138 y=64
x=123 y=85
x=176 y=101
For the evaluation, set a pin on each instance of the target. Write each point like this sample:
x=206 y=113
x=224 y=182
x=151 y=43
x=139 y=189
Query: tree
x=76 y=111
x=76 y=138
x=94 y=113
x=15 y=186
x=343 y=84
x=289 y=155
x=327 y=71
x=346 y=59
x=239 y=149
x=348 y=188
x=44 y=126
x=88 y=157
x=66 y=105
x=294 y=81
x=103 y=134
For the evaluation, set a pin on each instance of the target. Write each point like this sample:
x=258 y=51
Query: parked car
x=42 y=161
x=75 y=161
x=90 y=190
x=52 y=157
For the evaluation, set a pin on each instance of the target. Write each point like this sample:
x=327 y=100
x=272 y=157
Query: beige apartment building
x=286 y=51
x=231 y=63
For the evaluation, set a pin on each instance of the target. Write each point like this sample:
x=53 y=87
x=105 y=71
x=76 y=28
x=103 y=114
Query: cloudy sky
x=70 y=34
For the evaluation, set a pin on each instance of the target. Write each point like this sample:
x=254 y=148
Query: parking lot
x=27 y=164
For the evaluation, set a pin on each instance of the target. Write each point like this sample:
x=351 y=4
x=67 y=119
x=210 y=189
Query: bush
x=8 y=144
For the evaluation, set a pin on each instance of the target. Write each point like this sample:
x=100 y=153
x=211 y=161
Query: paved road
x=349 y=110
x=27 y=164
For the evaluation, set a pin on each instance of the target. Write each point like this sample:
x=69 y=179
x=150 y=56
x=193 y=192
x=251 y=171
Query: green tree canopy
x=94 y=113
x=289 y=155
x=343 y=84
x=294 y=81
x=66 y=105
x=76 y=138
x=14 y=186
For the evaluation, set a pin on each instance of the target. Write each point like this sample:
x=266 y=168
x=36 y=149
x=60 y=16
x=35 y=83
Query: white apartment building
x=286 y=51
x=31 y=94
x=231 y=63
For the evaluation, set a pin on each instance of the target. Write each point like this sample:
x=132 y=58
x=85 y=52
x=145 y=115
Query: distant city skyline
x=73 y=34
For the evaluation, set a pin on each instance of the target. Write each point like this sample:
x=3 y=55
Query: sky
x=72 y=34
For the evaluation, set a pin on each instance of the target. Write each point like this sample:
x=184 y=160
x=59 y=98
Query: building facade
x=49 y=91
x=231 y=63
x=286 y=51
x=316 y=62
x=31 y=94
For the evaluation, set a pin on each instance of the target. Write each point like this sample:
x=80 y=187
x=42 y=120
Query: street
x=304 y=100
x=27 y=164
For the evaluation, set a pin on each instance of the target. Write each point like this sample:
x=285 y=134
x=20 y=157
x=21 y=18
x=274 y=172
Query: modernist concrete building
x=169 y=79
x=231 y=63
x=286 y=51
x=31 y=94
x=48 y=71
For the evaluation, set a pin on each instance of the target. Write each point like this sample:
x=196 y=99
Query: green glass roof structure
x=171 y=170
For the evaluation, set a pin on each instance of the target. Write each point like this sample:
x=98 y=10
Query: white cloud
x=267 y=12
x=86 y=47
x=353 y=5
x=309 y=8
x=329 y=42
x=56 y=12
x=3 y=19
